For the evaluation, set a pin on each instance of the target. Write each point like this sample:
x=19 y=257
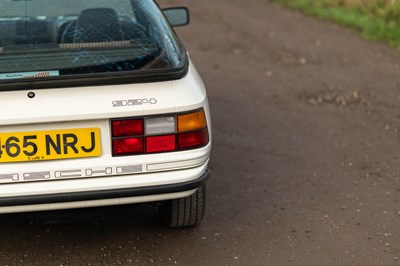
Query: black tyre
x=184 y=212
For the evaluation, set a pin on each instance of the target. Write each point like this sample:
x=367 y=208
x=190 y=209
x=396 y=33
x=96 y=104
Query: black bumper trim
x=104 y=194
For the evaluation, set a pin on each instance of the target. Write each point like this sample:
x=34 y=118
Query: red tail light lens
x=127 y=128
x=160 y=144
x=128 y=146
x=193 y=140
x=148 y=135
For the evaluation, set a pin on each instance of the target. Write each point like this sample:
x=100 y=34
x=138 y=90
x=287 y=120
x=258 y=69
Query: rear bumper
x=103 y=195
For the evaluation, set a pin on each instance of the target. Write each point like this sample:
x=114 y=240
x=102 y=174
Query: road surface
x=305 y=166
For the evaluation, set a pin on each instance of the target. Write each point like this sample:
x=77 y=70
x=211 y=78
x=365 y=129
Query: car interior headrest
x=97 y=25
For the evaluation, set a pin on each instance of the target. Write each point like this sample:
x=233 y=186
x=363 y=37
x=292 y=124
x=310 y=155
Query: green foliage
x=376 y=19
x=388 y=10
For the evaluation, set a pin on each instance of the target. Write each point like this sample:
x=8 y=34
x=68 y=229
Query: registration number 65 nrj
x=49 y=145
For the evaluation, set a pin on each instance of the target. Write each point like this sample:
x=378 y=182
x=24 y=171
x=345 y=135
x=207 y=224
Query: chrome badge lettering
x=70 y=174
x=134 y=102
x=36 y=176
x=9 y=177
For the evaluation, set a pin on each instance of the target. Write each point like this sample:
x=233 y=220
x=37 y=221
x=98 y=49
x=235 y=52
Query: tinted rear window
x=57 y=38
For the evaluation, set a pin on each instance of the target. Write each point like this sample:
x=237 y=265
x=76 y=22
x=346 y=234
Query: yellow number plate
x=50 y=145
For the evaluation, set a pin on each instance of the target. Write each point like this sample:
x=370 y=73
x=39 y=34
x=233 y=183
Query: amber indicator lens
x=192 y=121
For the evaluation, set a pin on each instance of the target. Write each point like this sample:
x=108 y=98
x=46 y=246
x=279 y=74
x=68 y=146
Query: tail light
x=128 y=146
x=192 y=140
x=148 y=135
x=126 y=128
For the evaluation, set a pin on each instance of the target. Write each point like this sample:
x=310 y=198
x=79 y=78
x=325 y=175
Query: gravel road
x=305 y=166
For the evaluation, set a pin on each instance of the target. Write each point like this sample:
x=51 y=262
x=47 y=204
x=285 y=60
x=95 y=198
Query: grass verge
x=373 y=23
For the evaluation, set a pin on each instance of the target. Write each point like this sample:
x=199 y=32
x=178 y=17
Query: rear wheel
x=184 y=212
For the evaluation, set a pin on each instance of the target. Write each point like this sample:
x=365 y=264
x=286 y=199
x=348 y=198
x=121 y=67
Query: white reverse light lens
x=160 y=125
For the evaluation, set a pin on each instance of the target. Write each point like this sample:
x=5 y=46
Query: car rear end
x=96 y=134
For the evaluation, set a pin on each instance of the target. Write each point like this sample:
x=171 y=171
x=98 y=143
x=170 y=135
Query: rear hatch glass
x=63 y=39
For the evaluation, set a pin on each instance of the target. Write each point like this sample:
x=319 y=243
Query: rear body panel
x=93 y=107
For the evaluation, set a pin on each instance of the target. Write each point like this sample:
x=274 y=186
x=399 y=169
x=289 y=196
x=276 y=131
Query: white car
x=100 y=105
